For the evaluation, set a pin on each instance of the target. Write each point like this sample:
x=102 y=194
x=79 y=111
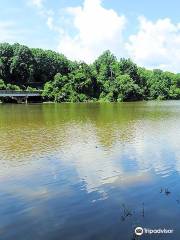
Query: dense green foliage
x=62 y=80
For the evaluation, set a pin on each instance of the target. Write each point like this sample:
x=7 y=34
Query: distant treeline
x=62 y=80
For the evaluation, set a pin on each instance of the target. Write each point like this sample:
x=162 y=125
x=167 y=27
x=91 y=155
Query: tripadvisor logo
x=139 y=231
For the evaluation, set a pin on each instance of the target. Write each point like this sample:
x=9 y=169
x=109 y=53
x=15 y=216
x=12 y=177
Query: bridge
x=19 y=96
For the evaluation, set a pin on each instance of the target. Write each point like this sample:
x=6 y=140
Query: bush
x=2 y=85
x=13 y=87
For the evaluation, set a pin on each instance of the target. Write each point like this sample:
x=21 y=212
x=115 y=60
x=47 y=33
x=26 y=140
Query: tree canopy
x=62 y=80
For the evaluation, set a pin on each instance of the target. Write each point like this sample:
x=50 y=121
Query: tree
x=103 y=68
x=126 y=89
x=82 y=80
x=6 y=54
x=145 y=78
x=126 y=66
x=159 y=85
x=48 y=64
x=22 y=65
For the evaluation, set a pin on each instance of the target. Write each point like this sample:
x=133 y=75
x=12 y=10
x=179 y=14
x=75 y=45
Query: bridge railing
x=19 y=92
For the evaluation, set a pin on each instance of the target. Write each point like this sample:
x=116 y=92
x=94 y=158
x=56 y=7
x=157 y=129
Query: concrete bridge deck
x=20 y=96
x=12 y=93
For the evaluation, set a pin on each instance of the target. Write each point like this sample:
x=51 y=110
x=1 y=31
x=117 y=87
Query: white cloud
x=156 y=44
x=37 y=3
x=11 y=32
x=84 y=32
x=97 y=29
x=7 y=33
x=44 y=12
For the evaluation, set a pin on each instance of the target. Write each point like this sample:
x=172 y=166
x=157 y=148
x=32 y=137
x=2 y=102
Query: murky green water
x=89 y=171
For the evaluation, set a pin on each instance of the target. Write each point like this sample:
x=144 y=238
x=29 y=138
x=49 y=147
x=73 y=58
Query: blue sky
x=146 y=31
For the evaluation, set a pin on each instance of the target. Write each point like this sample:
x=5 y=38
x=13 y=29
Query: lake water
x=89 y=171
